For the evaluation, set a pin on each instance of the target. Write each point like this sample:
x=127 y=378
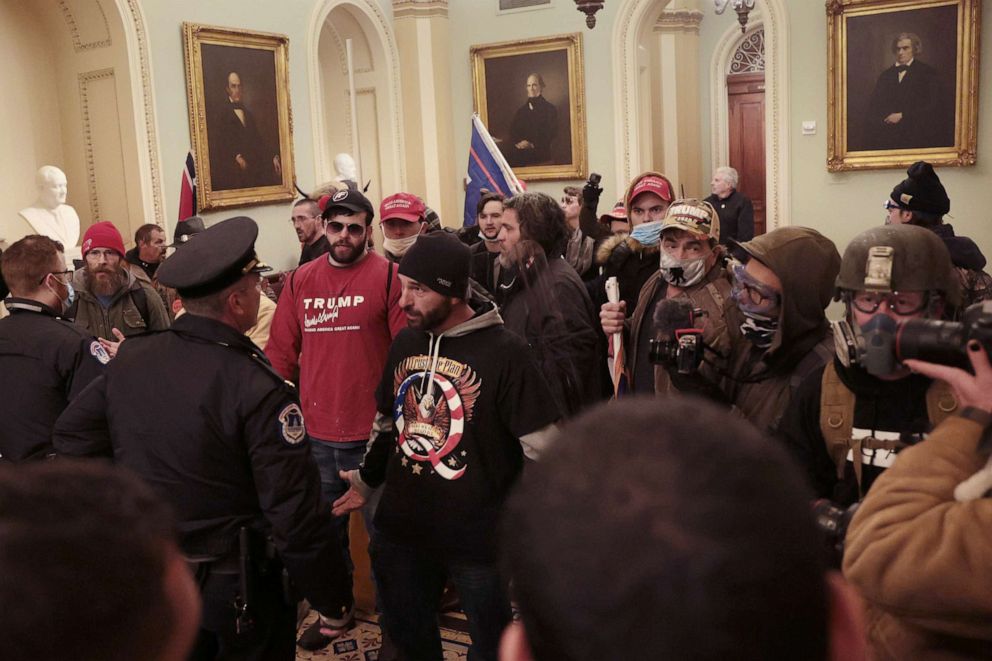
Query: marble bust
x=50 y=215
x=344 y=165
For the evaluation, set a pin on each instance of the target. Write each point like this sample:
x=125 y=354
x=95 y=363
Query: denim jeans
x=330 y=458
x=411 y=581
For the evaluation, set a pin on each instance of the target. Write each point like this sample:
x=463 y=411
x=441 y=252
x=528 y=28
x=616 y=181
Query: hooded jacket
x=807 y=263
x=456 y=412
x=123 y=313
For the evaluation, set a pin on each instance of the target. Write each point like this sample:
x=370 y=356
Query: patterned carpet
x=362 y=643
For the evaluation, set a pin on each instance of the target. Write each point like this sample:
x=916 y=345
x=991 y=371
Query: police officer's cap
x=220 y=256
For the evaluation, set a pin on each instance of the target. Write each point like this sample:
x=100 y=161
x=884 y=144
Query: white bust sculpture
x=50 y=215
x=344 y=165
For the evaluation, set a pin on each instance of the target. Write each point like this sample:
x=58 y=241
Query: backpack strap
x=836 y=418
x=140 y=299
x=940 y=402
x=389 y=280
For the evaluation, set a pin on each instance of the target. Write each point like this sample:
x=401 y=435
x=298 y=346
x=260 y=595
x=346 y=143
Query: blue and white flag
x=487 y=169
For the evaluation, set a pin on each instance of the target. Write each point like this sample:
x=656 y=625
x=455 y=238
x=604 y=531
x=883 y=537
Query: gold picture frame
x=501 y=73
x=882 y=116
x=245 y=157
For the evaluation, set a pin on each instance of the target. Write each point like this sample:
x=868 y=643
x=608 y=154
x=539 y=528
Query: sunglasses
x=354 y=229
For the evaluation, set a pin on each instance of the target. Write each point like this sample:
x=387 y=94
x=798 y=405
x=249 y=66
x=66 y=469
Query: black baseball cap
x=219 y=257
x=351 y=200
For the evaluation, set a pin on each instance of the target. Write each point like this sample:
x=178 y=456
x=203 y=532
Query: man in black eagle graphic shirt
x=460 y=405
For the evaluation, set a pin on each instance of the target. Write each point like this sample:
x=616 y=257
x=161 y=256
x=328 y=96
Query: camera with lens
x=684 y=351
x=594 y=179
x=832 y=522
x=884 y=343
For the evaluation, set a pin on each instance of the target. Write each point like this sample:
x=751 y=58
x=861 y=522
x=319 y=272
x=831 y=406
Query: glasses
x=902 y=303
x=354 y=229
x=749 y=289
x=301 y=219
x=65 y=275
x=889 y=205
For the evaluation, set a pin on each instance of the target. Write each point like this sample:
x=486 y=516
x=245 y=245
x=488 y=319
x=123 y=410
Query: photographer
x=849 y=419
x=918 y=548
x=689 y=273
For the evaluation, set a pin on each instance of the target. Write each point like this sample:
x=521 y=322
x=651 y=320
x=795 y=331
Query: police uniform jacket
x=44 y=363
x=198 y=412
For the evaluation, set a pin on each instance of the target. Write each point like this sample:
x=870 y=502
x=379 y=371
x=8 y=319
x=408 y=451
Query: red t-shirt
x=334 y=326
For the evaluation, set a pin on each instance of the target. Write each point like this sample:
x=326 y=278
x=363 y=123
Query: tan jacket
x=259 y=333
x=713 y=296
x=922 y=560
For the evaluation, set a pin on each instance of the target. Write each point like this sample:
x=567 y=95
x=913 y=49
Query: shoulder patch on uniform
x=98 y=352
x=291 y=421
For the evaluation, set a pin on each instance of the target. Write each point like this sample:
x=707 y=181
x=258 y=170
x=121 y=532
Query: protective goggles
x=900 y=302
x=751 y=294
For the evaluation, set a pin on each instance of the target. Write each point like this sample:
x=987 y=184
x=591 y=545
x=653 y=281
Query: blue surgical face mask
x=70 y=296
x=647 y=234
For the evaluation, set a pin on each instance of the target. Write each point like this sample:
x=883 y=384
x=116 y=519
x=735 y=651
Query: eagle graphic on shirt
x=434 y=400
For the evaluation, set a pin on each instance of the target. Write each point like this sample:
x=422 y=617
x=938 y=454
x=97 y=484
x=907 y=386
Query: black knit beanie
x=439 y=261
x=921 y=191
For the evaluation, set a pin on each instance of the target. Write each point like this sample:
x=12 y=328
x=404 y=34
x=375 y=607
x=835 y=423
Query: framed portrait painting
x=903 y=83
x=531 y=97
x=239 y=115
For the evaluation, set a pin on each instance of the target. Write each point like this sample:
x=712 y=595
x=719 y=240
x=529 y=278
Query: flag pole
x=353 y=98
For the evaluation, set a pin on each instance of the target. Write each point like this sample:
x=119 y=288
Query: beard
x=103 y=281
x=346 y=253
x=428 y=319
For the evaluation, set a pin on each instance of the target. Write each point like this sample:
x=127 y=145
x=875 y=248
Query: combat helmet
x=898 y=258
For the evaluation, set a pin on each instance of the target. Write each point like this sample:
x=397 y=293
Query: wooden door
x=746 y=104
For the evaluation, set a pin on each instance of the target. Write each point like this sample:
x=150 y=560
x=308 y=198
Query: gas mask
x=682 y=272
x=872 y=346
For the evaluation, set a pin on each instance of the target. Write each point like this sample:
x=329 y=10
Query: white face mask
x=399 y=247
x=682 y=272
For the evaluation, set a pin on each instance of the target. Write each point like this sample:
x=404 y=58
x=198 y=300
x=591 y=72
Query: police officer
x=850 y=418
x=198 y=412
x=45 y=361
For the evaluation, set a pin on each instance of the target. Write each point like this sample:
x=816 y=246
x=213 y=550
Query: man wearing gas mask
x=851 y=417
x=690 y=278
x=781 y=286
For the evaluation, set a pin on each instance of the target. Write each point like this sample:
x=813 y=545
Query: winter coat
x=762 y=381
x=920 y=558
x=712 y=295
x=124 y=312
x=549 y=307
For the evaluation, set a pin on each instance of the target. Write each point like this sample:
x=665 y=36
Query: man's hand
x=524 y=144
x=970 y=390
x=112 y=347
x=612 y=316
x=241 y=162
x=352 y=499
x=894 y=118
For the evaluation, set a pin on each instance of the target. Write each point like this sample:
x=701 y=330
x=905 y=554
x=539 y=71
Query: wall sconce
x=742 y=7
x=590 y=7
